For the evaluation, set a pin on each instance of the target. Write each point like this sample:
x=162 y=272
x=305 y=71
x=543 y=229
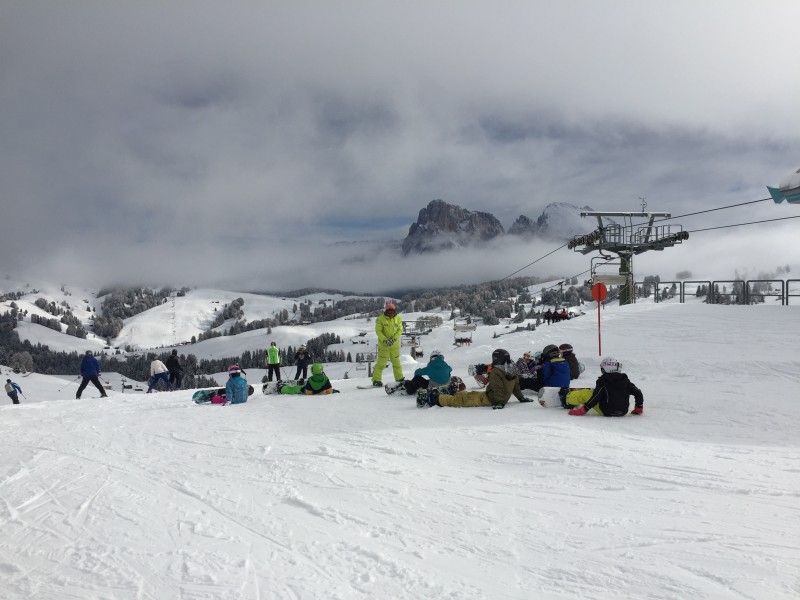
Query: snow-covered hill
x=362 y=495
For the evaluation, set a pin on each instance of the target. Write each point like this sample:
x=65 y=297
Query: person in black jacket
x=611 y=394
x=302 y=359
x=175 y=370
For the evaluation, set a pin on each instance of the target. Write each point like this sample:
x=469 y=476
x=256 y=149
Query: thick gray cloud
x=199 y=142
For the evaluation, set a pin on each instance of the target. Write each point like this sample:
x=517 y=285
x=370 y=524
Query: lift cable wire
x=741 y=224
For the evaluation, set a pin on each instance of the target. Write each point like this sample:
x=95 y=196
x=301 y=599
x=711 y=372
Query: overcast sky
x=230 y=143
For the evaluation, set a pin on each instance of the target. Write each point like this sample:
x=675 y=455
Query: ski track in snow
x=362 y=495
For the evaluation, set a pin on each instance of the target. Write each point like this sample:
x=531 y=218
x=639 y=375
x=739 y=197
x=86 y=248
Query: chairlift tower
x=625 y=240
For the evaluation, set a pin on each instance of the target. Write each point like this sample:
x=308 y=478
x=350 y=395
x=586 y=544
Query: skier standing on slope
x=273 y=361
x=90 y=371
x=158 y=372
x=12 y=389
x=389 y=328
x=610 y=395
x=175 y=370
x=302 y=359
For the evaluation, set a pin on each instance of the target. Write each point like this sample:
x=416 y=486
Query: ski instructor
x=389 y=327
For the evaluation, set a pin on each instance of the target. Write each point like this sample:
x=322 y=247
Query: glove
x=526 y=399
x=388 y=342
x=498 y=406
x=579 y=411
x=638 y=410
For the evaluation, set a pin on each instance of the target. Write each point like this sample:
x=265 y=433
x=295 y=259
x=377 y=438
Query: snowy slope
x=362 y=495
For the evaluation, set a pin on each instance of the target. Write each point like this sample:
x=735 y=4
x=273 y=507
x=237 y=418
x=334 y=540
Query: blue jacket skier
x=90 y=371
x=12 y=389
x=554 y=370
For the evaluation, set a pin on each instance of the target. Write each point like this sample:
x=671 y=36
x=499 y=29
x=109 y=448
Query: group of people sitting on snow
x=553 y=367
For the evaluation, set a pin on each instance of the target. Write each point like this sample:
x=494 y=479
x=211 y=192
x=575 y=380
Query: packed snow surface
x=362 y=495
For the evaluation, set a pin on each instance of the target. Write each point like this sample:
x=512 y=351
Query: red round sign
x=599 y=291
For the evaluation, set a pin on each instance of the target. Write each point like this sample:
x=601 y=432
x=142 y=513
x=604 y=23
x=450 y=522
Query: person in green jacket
x=318 y=383
x=273 y=361
x=503 y=382
x=389 y=328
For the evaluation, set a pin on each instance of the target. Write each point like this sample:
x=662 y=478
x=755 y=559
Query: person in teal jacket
x=236 y=389
x=318 y=383
x=389 y=328
x=437 y=371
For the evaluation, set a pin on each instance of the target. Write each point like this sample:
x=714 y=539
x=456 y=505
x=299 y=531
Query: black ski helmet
x=501 y=357
x=550 y=352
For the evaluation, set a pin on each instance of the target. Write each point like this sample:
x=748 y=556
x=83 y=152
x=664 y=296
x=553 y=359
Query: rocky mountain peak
x=441 y=226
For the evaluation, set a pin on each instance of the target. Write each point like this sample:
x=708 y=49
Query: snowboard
x=549 y=397
x=480 y=372
x=367 y=387
x=271 y=387
x=394 y=387
x=203 y=396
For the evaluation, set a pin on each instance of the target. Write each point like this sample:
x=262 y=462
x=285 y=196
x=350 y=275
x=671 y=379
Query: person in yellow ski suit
x=389 y=327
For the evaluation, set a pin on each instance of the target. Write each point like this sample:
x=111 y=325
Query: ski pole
x=69 y=384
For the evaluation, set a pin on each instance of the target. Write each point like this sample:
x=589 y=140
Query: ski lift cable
x=742 y=224
x=700 y=212
x=534 y=262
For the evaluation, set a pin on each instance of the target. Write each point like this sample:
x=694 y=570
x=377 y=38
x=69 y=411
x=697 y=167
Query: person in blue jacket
x=12 y=389
x=554 y=370
x=90 y=371
x=437 y=371
x=236 y=389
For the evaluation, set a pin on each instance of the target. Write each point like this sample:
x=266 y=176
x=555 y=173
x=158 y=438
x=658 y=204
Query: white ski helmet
x=610 y=364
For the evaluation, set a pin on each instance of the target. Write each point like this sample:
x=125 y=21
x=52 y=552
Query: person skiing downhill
x=12 y=389
x=90 y=371
x=389 y=328
x=610 y=396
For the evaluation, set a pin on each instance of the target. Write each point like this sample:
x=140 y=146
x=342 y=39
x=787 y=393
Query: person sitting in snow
x=236 y=389
x=503 y=382
x=12 y=389
x=318 y=383
x=568 y=354
x=526 y=367
x=610 y=396
x=437 y=372
x=554 y=370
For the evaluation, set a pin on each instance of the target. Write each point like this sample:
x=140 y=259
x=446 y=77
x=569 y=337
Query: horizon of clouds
x=193 y=143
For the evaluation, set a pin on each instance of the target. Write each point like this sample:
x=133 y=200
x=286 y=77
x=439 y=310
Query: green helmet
x=316 y=369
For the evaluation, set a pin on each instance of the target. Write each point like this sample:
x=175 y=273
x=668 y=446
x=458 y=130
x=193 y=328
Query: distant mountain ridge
x=443 y=226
